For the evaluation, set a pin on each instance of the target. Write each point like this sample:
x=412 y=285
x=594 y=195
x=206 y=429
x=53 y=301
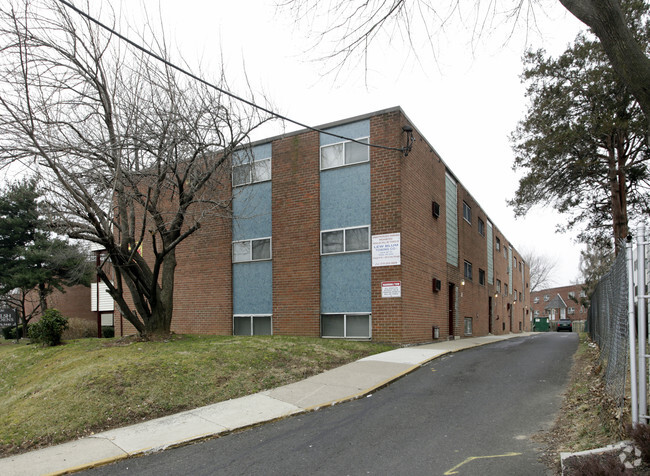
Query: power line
x=213 y=86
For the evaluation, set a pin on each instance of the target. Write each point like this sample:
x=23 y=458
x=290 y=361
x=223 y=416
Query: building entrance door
x=490 y=315
x=452 y=305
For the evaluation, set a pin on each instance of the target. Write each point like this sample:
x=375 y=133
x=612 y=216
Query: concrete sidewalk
x=342 y=384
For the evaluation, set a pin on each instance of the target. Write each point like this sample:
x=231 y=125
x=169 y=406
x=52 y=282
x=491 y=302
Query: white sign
x=386 y=250
x=391 y=289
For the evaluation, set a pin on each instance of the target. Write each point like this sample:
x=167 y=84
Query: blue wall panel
x=252 y=285
x=345 y=283
x=345 y=197
x=354 y=130
x=251 y=211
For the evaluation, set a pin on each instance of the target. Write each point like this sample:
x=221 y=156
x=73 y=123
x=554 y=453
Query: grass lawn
x=56 y=394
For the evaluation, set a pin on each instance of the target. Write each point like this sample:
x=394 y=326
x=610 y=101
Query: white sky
x=465 y=104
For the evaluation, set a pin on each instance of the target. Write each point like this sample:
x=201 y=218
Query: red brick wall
x=296 y=235
x=424 y=243
x=579 y=314
x=386 y=216
x=402 y=192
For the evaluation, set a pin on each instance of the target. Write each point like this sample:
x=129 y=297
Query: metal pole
x=99 y=313
x=632 y=331
x=640 y=282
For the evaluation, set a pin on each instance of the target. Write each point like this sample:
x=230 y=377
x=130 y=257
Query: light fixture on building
x=462 y=282
x=409 y=139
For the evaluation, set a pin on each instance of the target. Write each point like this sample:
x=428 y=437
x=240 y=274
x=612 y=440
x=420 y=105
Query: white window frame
x=468 y=214
x=250 y=250
x=251 y=317
x=498 y=285
x=571 y=295
x=571 y=310
x=497 y=244
x=252 y=165
x=344 y=230
x=345 y=145
x=536 y=300
x=345 y=326
x=546 y=297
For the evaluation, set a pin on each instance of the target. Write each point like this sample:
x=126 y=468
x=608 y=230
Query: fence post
x=632 y=331
x=642 y=323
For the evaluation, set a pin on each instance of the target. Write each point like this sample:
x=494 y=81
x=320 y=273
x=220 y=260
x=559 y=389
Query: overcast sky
x=466 y=102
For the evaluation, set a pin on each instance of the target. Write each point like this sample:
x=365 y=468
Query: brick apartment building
x=559 y=303
x=333 y=238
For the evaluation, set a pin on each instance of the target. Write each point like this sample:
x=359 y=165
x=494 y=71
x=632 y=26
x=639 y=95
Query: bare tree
x=541 y=269
x=129 y=151
x=351 y=26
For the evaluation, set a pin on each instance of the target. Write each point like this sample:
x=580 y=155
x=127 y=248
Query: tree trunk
x=617 y=189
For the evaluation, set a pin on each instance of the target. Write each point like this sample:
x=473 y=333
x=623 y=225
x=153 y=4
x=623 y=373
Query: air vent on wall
x=435 y=209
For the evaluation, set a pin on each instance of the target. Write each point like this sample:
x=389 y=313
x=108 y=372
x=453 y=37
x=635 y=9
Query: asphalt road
x=469 y=413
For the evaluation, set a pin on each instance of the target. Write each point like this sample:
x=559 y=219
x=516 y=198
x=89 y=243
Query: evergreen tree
x=33 y=262
x=583 y=143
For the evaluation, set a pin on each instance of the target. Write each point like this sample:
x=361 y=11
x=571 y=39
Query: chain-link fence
x=608 y=326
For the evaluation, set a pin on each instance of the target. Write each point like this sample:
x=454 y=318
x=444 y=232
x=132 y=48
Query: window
x=344 y=153
x=498 y=285
x=468 y=326
x=468 y=270
x=251 y=250
x=251 y=326
x=505 y=289
x=498 y=244
x=571 y=310
x=481 y=276
x=467 y=213
x=481 y=227
x=251 y=172
x=546 y=297
x=514 y=291
x=521 y=266
x=345 y=240
x=582 y=309
x=520 y=295
x=536 y=300
x=347 y=326
x=583 y=294
x=536 y=313
x=572 y=295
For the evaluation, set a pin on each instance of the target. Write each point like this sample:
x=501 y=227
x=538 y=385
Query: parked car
x=565 y=325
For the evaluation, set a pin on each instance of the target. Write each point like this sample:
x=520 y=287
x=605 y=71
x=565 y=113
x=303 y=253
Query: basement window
x=346 y=326
x=254 y=325
x=468 y=326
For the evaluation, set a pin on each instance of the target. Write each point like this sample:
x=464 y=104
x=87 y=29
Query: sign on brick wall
x=386 y=250
x=7 y=317
x=391 y=289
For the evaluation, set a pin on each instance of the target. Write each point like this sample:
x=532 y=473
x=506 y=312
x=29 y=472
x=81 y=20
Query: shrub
x=9 y=333
x=49 y=329
x=606 y=464
x=108 y=331
x=641 y=436
x=80 y=329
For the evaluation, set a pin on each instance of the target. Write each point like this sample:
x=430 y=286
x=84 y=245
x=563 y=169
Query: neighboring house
x=561 y=301
x=336 y=239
